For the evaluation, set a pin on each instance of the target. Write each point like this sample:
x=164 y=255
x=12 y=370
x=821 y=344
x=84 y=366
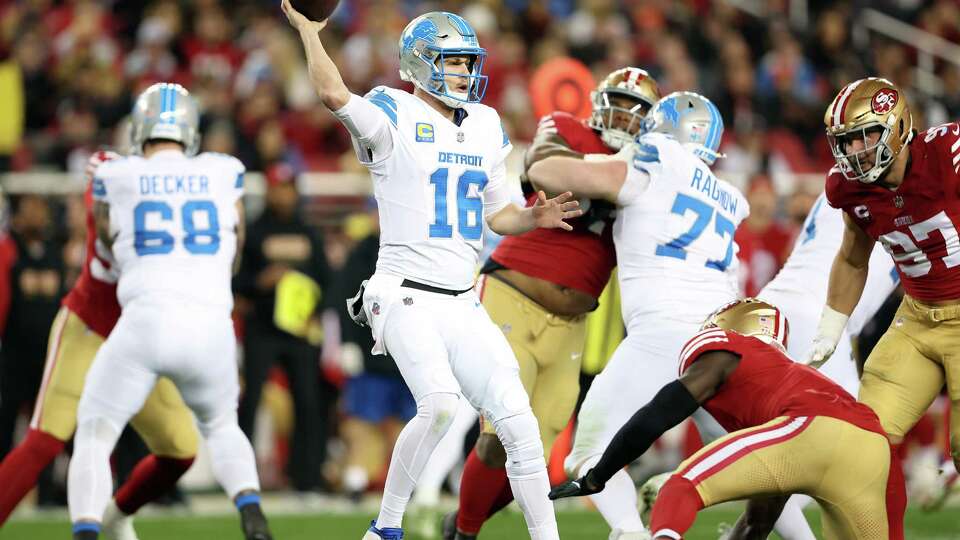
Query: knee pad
x=439 y=409
x=520 y=436
x=99 y=431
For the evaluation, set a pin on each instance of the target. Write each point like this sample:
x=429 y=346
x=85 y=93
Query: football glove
x=585 y=485
x=831 y=327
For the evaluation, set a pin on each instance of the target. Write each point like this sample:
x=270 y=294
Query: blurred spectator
x=376 y=401
x=280 y=248
x=11 y=108
x=36 y=288
x=764 y=242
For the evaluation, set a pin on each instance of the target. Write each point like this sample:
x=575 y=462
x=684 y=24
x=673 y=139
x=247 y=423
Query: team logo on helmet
x=426 y=31
x=884 y=100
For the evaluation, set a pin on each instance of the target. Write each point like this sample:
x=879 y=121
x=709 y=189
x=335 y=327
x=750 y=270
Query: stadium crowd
x=69 y=69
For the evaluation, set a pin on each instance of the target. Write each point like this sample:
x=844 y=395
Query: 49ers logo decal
x=884 y=100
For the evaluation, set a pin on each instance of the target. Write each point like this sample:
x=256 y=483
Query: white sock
x=416 y=442
x=445 y=456
x=792 y=525
x=618 y=500
x=231 y=456
x=527 y=471
x=90 y=480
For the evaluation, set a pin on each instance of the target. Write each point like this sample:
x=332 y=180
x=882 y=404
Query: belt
x=936 y=314
x=430 y=288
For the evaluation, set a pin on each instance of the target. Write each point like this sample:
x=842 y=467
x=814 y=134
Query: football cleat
x=117 y=525
x=648 y=494
x=254 y=523
x=386 y=533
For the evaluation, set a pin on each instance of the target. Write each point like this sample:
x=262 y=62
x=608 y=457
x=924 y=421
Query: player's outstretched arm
x=545 y=214
x=848 y=275
x=324 y=74
x=599 y=178
x=673 y=404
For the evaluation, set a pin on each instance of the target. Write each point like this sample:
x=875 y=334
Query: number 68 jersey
x=917 y=223
x=434 y=182
x=173 y=219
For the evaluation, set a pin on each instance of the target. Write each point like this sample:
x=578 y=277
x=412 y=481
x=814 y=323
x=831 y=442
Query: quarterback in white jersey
x=677 y=260
x=437 y=161
x=173 y=222
x=800 y=289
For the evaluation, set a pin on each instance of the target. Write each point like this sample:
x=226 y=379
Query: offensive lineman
x=676 y=262
x=791 y=430
x=899 y=188
x=539 y=287
x=172 y=222
x=89 y=313
x=437 y=161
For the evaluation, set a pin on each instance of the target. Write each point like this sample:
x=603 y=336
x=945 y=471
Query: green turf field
x=574 y=525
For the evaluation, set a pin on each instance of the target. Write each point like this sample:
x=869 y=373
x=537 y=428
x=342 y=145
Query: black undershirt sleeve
x=672 y=404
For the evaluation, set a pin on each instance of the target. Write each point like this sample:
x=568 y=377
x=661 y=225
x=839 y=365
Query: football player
x=676 y=262
x=437 y=161
x=791 y=430
x=899 y=188
x=539 y=286
x=90 y=311
x=172 y=221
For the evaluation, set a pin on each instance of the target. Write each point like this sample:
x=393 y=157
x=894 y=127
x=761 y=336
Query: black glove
x=585 y=485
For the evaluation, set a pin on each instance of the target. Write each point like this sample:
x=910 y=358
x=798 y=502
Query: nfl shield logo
x=375 y=309
x=407 y=301
x=898 y=201
x=460 y=136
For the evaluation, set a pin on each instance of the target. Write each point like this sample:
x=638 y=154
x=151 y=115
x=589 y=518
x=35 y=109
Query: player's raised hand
x=551 y=213
x=585 y=485
x=298 y=20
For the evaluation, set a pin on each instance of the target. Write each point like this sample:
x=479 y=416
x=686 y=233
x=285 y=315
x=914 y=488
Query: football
x=315 y=10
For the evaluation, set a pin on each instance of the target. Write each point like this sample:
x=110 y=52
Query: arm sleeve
x=672 y=404
x=371 y=122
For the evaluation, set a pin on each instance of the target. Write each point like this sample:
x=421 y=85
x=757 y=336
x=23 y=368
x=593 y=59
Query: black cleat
x=448 y=529
x=254 y=523
x=85 y=535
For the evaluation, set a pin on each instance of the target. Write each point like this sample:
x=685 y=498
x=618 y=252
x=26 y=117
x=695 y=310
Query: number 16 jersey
x=173 y=220
x=434 y=181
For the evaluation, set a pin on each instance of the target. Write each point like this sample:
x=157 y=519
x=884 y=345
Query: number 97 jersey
x=917 y=223
x=173 y=220
x=434 y=180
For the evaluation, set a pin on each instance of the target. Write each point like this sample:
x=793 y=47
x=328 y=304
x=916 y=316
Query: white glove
x=832 y=323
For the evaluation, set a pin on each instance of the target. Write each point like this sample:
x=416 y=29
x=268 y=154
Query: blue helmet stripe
x=712 y=134
x=461 y=24
x=172 y=118
x=716 y=127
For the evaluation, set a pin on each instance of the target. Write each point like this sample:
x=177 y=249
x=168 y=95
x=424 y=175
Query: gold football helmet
x=864 y=108
x=629 y=82
x=751 y=317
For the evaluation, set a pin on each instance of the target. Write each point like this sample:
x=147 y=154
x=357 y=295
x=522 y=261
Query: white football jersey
x=808 y=267
x=434 y=187
x=675 y=250
x=174 y=220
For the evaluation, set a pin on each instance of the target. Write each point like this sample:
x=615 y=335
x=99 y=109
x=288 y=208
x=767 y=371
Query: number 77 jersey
x=917 y=223
x=173 y=219
x=674 y=238
x=434 y=185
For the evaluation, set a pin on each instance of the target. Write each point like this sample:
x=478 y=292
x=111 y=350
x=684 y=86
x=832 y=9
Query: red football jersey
x=94 y=296
x=580 y=259
x=767 y=385
x=917 y=223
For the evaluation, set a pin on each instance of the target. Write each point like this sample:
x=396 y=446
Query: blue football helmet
x=424 y=44
x=691 y=119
